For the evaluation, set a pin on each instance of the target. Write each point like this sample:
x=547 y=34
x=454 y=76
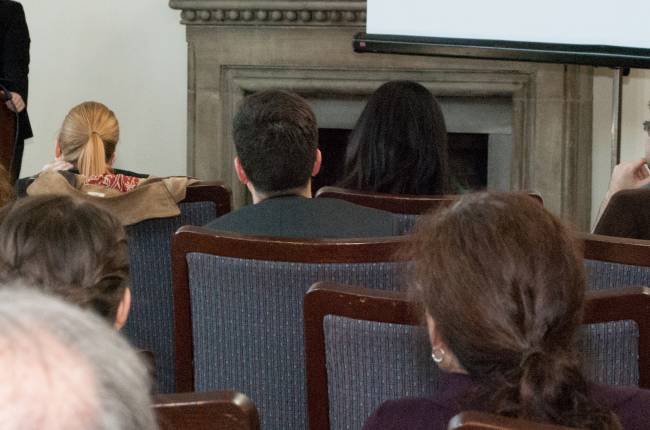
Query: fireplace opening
x=468 y=158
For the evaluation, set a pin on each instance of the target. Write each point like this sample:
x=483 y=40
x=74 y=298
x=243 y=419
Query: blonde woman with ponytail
x=85 y=150
x=502 y=285
x=88 y=138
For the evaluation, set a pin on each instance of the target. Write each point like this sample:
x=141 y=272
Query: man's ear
x=123 y=309
x=317 y=163
x=243 y=178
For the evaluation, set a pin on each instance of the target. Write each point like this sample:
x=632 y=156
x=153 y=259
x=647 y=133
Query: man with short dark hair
x=276 y=140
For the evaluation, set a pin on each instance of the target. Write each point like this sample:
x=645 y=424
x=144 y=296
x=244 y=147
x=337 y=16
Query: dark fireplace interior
x=468 y=154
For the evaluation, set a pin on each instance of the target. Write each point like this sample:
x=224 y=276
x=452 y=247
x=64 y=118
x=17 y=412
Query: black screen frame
x=592 y=55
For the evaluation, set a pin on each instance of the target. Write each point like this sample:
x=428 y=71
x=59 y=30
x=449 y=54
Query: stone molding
x=272 y=13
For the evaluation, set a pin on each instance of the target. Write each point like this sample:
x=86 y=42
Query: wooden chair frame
x=7 y=136
x=472 y=420
x=616 y=249
x=215 y=192
x=396 y=203
x=327 y=298
x=220 y=409
x=201 y=240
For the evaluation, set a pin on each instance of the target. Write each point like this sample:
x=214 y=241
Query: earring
x=438 y=354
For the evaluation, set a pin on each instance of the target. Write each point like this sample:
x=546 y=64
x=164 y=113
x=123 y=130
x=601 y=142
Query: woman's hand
x=17 y=104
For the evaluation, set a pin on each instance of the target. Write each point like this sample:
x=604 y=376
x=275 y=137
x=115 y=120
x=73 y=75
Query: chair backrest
x=614 y=262
x=150 y=321
x=7 y=135
x=472 y=420
x=366 y=346
x=238 y=310
x=397 y=203
x=217 y=410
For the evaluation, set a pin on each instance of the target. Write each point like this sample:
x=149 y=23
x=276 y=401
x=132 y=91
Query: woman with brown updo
x=70 y=248
x=503 y=287
x=86 y=147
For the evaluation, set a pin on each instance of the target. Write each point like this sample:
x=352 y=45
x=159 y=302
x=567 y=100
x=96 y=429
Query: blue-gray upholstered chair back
x=150 y=321
x=245 y=295
x=612 y=262
x=369 y=358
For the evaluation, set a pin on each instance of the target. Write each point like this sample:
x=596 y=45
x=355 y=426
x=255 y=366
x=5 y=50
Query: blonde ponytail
x=92 y=159
x=88 y=138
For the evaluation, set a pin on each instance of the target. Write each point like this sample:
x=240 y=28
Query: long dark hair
x=399 y=144
x=504 y=282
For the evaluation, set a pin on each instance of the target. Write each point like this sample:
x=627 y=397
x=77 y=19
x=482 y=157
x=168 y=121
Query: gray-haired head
x=62 y=367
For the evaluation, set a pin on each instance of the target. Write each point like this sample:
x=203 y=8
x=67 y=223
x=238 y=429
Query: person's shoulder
x=10 y=8
x=628 y=403
x=344 y=205
x=411 y=413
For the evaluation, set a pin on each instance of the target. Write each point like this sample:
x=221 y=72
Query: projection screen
x=594 y=32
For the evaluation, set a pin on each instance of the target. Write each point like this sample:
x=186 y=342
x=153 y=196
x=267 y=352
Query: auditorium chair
x=7 y=135
x=614 y=262
x=238 y=310
x=472 y=420
x=366 y=346
x=217 y=410
x=150 y=321
x=406 y=207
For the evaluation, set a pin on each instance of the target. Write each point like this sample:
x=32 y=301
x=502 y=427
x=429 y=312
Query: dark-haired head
x=503 y=286
x=399 y=144
x=69 y=247
x=276 y=139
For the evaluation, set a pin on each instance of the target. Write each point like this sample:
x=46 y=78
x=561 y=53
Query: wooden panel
x=7 y=135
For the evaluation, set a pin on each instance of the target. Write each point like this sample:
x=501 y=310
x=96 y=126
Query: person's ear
x=123 y=309
x=57 y=150
x=243 y=178
x=317 y=163
x=434 y=338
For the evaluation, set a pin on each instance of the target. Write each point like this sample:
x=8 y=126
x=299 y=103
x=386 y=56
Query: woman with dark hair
x=503 y=286
x=70 y=248
x=399 y=144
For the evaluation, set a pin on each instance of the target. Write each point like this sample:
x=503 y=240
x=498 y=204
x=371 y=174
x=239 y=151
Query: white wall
x=636 y=96
x=128 y=54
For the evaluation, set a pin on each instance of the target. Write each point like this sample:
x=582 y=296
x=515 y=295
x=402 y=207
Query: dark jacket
x=627 y=215
x=295 y=216
x=630 y=404
x=14 y=55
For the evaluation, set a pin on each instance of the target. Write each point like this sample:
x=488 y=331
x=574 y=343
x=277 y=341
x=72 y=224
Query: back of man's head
x=64 y=368
x=276 y=138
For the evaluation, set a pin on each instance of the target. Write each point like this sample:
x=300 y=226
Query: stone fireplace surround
x=539 y=116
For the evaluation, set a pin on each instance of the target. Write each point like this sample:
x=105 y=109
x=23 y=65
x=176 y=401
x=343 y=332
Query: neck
x=258 y=196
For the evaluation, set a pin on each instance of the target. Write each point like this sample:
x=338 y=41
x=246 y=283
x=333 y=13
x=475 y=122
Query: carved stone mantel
x=239 y=47
x=272 y=12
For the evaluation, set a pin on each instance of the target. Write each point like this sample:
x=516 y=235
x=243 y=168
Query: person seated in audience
x=502 y=284
x=625 y=210
x=63 y=368
x=399 y=144
x=70 y=248
x=276 y=140
x=86 y=146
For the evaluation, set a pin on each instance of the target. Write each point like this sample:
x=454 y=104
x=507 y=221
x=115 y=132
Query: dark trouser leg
x=17 y=160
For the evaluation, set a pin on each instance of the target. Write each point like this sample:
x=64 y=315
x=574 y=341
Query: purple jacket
x=631 y=405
